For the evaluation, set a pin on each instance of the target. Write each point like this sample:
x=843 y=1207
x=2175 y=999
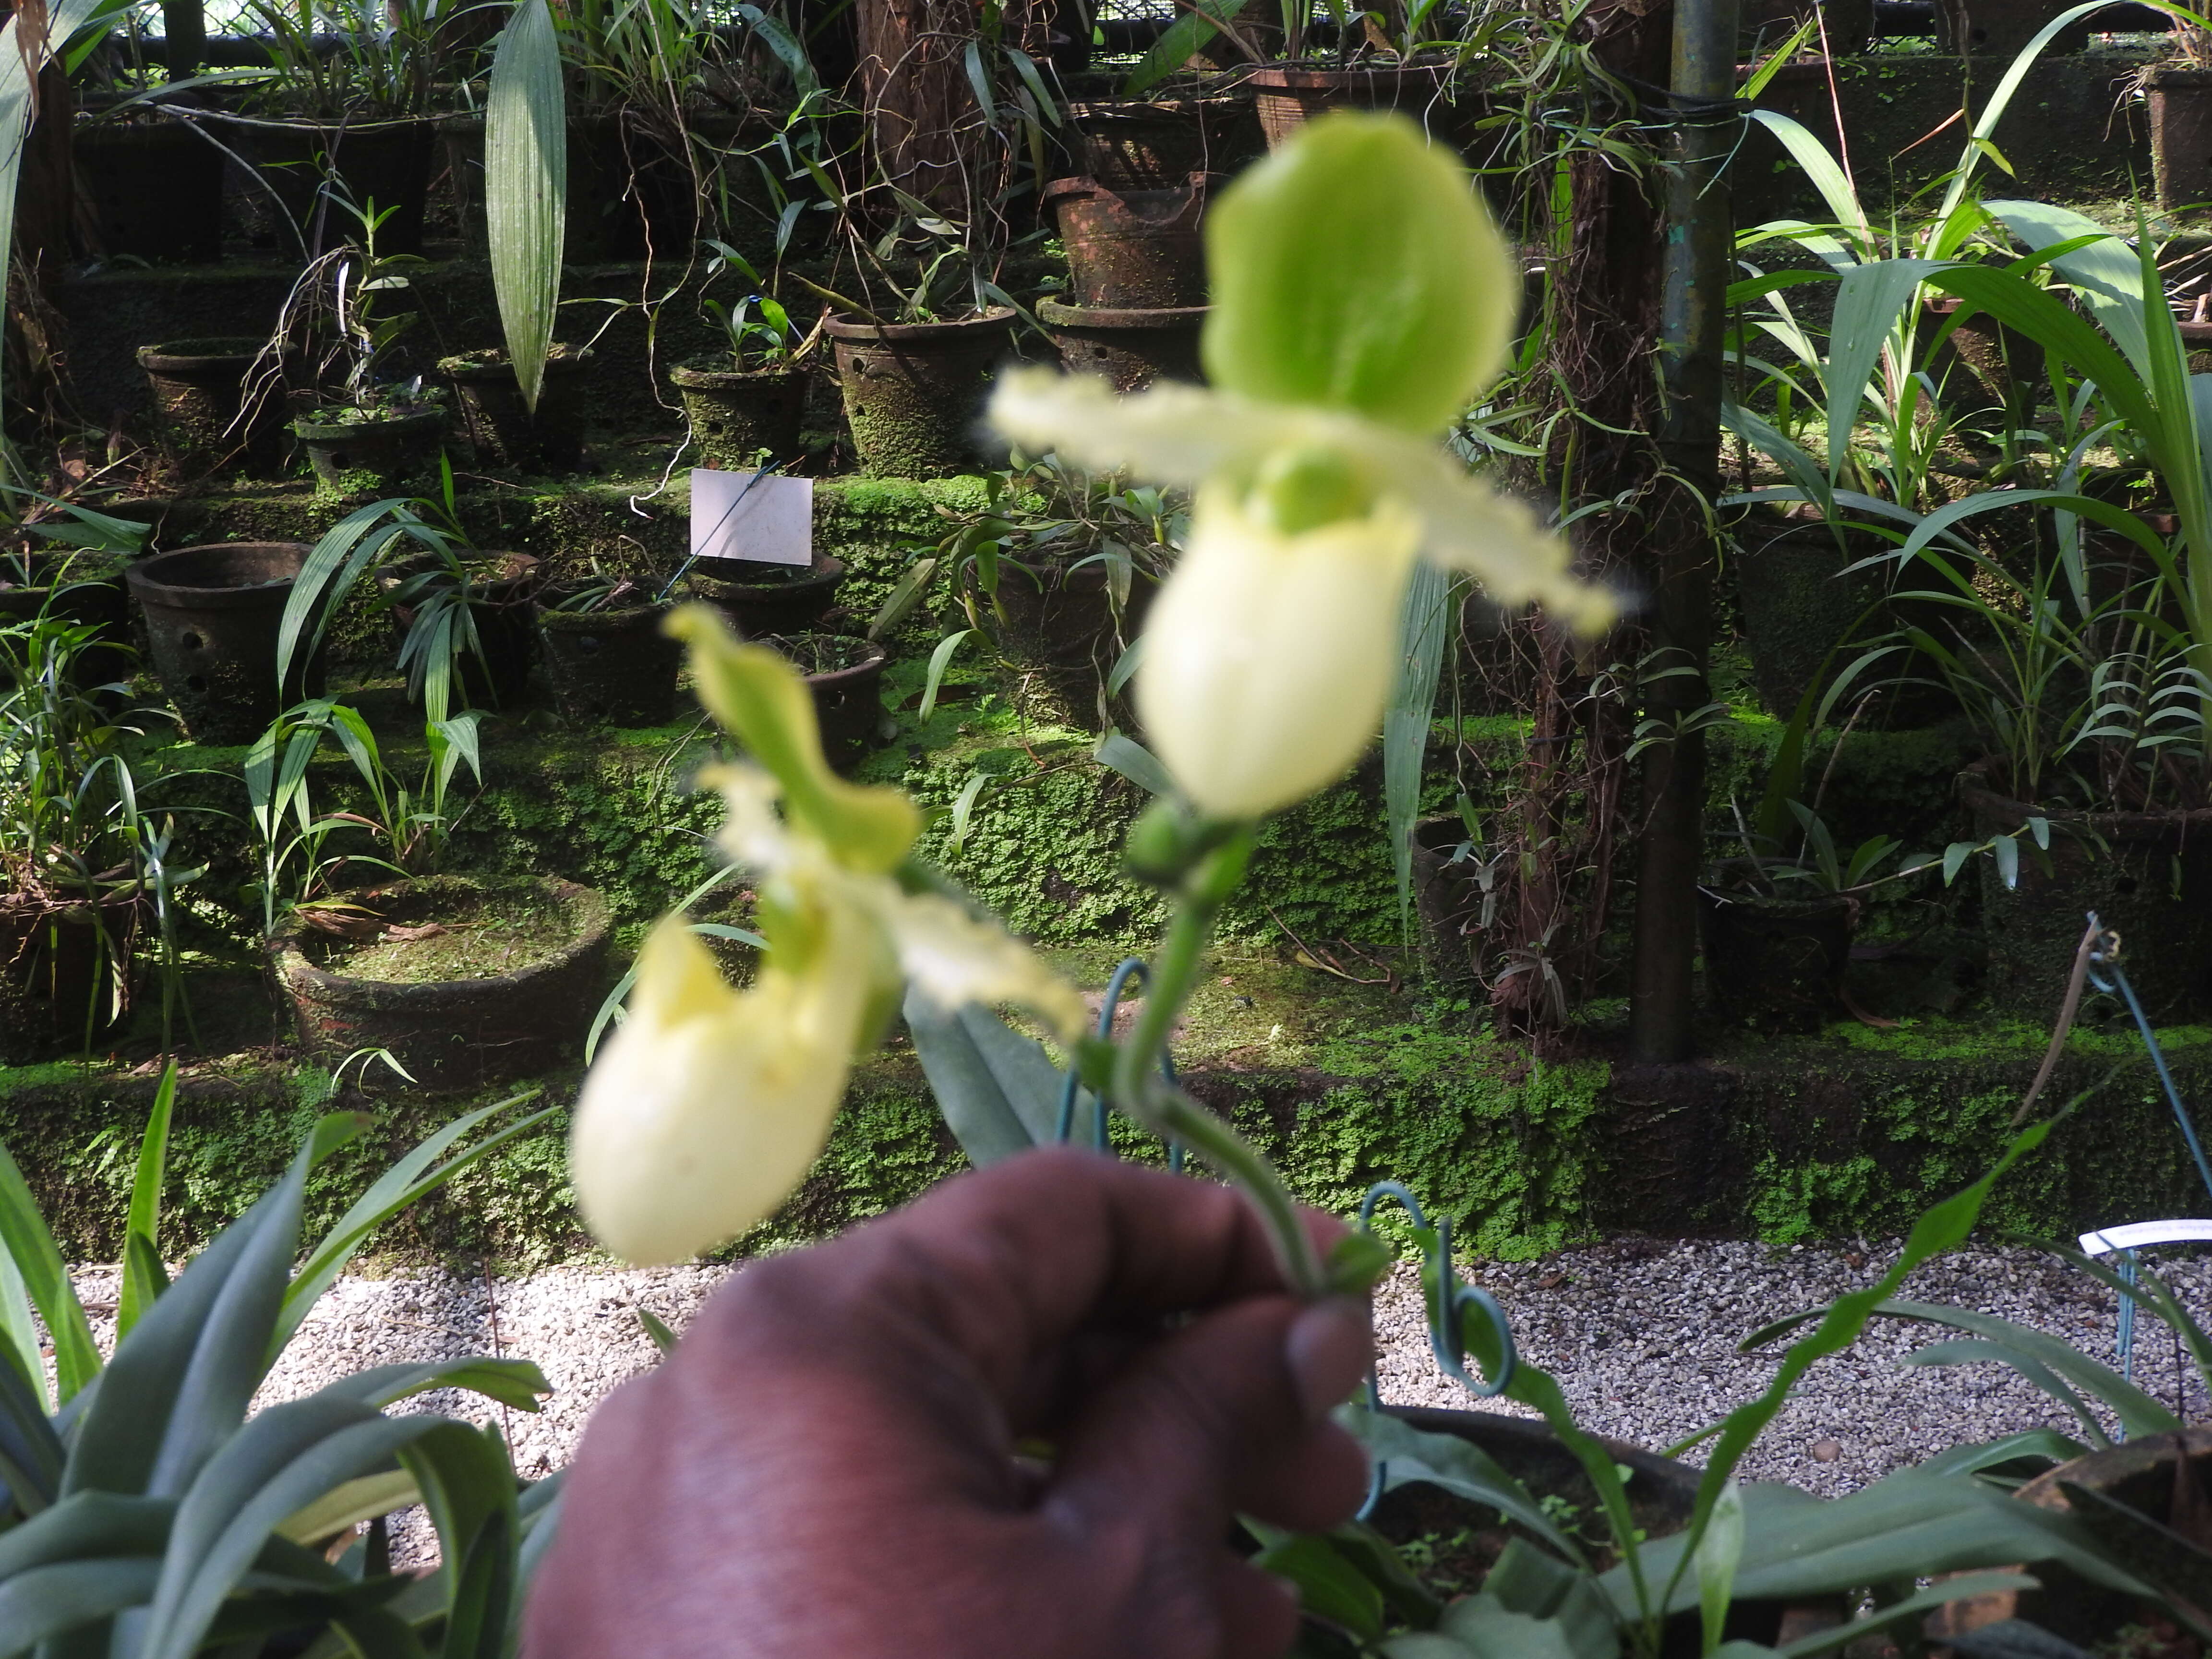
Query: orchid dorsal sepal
x=760 y=699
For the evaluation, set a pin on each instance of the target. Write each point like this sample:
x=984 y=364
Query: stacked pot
x=1137 y=269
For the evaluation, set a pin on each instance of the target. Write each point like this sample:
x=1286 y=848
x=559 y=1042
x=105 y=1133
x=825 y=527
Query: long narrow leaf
x=24 y=1234
x=142 y=1229
x=1421 y=628
x=526 y=186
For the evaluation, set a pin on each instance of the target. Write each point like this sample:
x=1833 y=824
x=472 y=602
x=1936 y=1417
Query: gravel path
x=1641 y=1334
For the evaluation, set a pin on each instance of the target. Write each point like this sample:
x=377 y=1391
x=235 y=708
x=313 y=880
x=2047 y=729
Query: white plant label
x=761 y=516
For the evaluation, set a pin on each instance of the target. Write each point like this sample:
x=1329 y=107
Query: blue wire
x=1130 y=968
x=1447 y=1311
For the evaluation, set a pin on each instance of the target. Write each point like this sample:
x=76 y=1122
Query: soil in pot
x=59 y=978
x=914 y=392
x=355 y=449
x=1158 y=146
x=610 y=665
x=386 y=161
x=2146 y=875
x=501 y=428
x=1132 y=250
x=846 y=676
x=1132 y=349
x=212 y=614
x=154 y=188
x=201 y=392
x=1775 y=953
x=737 y=413
x=466 y=981
x=760 y=599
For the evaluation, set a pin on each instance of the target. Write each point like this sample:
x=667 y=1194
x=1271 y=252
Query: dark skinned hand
x=827 y=1465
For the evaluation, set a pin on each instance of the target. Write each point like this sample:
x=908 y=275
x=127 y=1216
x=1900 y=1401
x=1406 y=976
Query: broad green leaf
x=526 y=186
x=1330 y=1587
x=1359 y=205
x=347 y=1506
x=30 y=1245
x=1134 y=761
x=1407 y=1454
x=145 y=1277
x=998 y=1091
x=1869 y=302
x=2103 y=270
x=1179 y=41
x=47 y=1602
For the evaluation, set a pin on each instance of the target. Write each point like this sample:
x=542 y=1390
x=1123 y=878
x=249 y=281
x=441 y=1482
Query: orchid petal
x=951 y=957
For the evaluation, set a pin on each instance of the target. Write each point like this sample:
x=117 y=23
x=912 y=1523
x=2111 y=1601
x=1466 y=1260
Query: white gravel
x=1641 y=1334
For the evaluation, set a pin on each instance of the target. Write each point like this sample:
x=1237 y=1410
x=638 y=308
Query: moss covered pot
x=845 y=676
x=201 y=401
x=212 y=614
x=358 y=449
x=737 y=413
x=768 y=599
x=501 y=427
x=2146 y=875
x=464 y=981
x=1775 y=954
x=610 y=667
x=914 y=392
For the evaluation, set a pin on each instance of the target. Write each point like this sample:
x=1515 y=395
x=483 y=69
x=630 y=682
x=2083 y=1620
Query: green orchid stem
x=1139 y=1090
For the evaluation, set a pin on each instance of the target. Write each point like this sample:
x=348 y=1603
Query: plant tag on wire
x=762 y=517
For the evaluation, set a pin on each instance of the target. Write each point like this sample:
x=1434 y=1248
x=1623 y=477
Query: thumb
x=1228 y=1413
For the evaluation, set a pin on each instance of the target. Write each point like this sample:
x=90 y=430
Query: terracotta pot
x=66 y=972
x=385 y=161
x=2181 y=138
x=1132 y=349
x=372 y=453
x=504 y=611
x=501 y=428
x=1773 y=961
x=1158 y=146
x=1134 y=249
x=2146 y=875
x=609 y=667
x=212 y=614
x=200 y=391
x=154 y=189
x=761 y=600
x=453 y=1034
x=1288 y=95
x=848 y=703
x=737 y=413
x=914 y=391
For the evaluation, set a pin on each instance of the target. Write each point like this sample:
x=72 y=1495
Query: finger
x=992 y=1270
x=1228 y=1408
x=1259 y=1612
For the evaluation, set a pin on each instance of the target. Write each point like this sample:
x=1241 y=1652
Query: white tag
x=761 y=516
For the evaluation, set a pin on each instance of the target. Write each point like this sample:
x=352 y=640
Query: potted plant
x=348 y=128
x=745 y=406
x=214 y=403
x=455 y=981
x=1158 y=142
x=2179 y=90
x=70 y=564
x=844 y=676
x=464 y=615
x=501 y=428
x=152 y=185
x=915 y=375
x=81 y=864
x=1137 y=279
x=607 y=658
x=373 y=424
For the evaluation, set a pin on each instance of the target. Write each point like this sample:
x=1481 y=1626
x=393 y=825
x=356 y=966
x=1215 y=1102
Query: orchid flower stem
x=1139 y=1090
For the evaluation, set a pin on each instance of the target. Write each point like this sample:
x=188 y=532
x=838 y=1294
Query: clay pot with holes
x=2146 y=875
x=370 y=451
x=2180 y=102
x=501 y=427
x=737 y=413
x=1132 y=349
x=845 y=677
x=200 y=391
x=1132 y=249
x=212 y=614
x=914 y=391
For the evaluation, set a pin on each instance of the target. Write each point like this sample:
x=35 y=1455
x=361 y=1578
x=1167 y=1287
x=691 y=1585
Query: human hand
x=827 y=1465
